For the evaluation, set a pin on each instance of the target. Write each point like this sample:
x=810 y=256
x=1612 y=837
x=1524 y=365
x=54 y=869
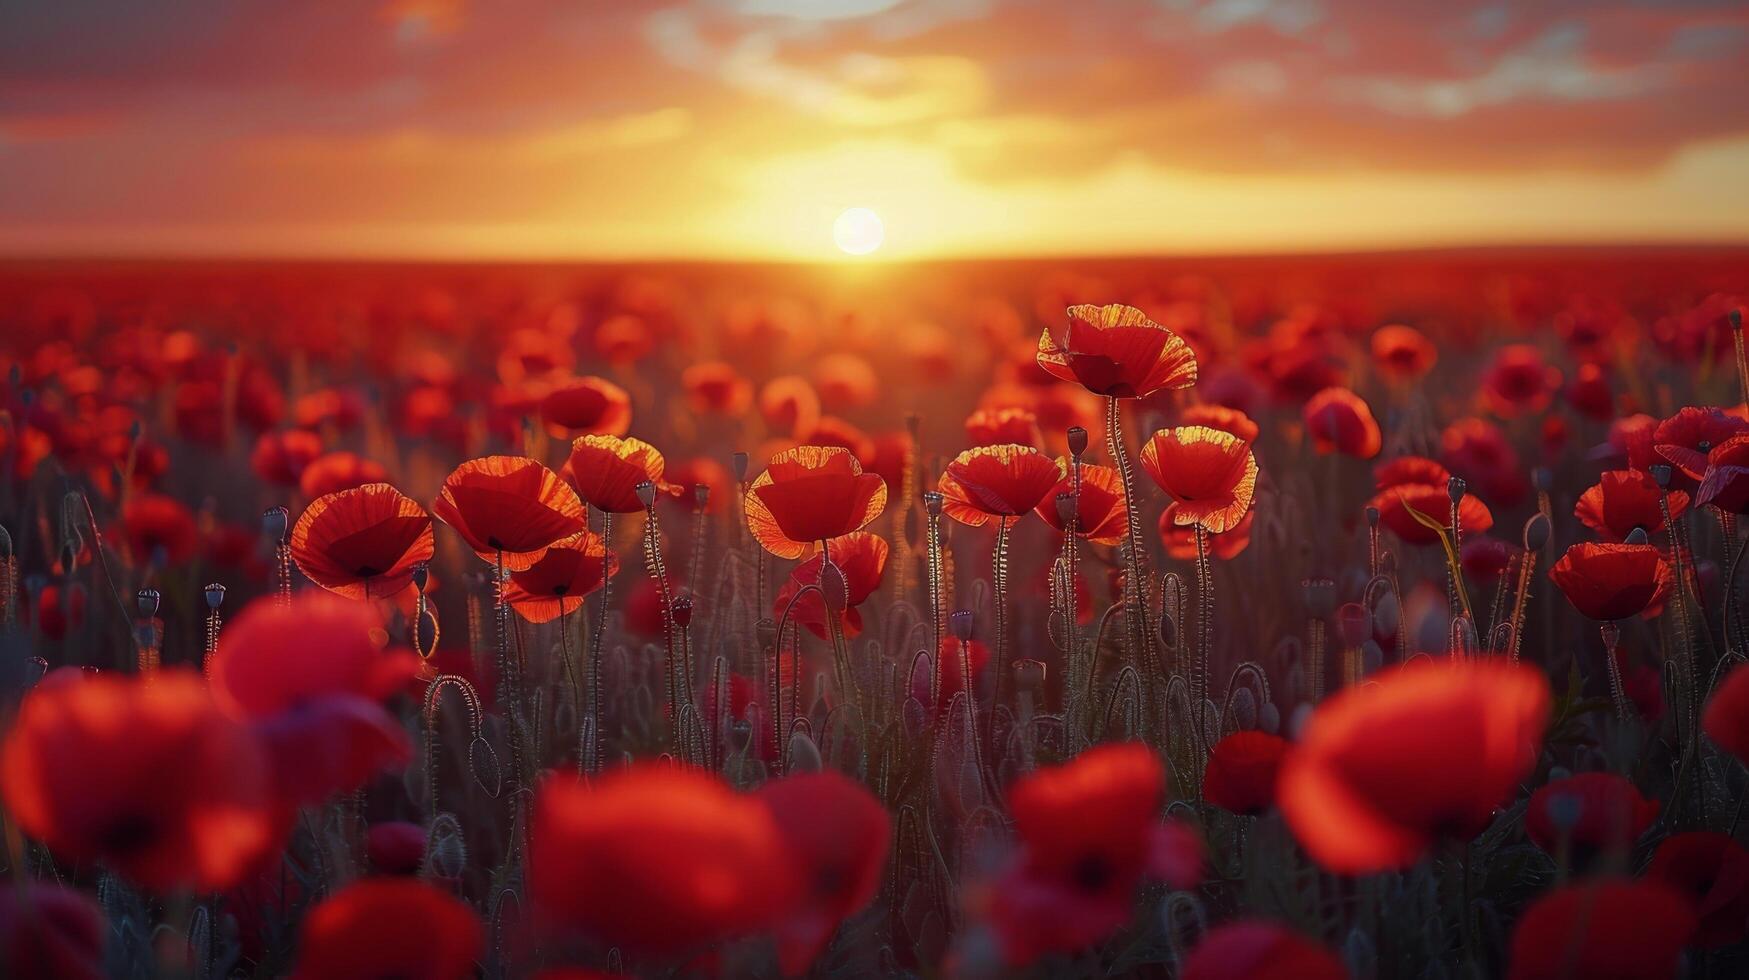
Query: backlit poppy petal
x=362 y=543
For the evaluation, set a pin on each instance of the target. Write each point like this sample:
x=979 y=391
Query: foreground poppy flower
x=308 y=678
x=1253 y=949
x=147 y=776
x=606 y=471
x=1089 y=834
x=1686 y=438
x=555 y=585
x=1100 y=513
x=1726 y=719
x=362 y=543
x=1402 y=353
x=1610 y=582
x=1003 y=482
x=389 y=927
x=1725 y=483
x=1622 y=501
x=1713 y=871
x=1339 y=421
x=1397 y=506
x=809 y=494
x=657 y=859
x=1241 y=771
x=1462 y=735
x=837 y=835
x=1592 y=812
x=861 y=558
x=1609 y=929
x=48 y=932
x=1210 y=474
x=509 y=509
x=589 y=406
x=1118 y=352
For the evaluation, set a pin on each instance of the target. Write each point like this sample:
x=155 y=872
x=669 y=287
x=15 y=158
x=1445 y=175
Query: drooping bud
x=215 y=595
x=1077 y=442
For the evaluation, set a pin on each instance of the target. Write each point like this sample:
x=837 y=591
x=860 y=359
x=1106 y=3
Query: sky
x=739 y=129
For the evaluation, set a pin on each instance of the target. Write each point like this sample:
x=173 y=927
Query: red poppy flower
x=48 y=932
x=1607 y=929
x=1725 y=483
x=1117 y=351
x=716 y=388
x=624 y=339
x=657 y=859
x=1211 y=474
x=1410 y=470
x=395 y=847
x=1633 y=439
x=341 y=408
x=589 y=406
x=156 y=526
x=1591 y=812
x=1004 y=426
x=509 y=509
x=1339 y=421
x=1090 y=833
x=1402 y=353
x=337 y=471
x=1252 y=949
x=1479 y=451
x=556 y=585
x=309 y=677
x=1609 y=582
x=389 y=927
x=1713 y=871
x=689 y=474
x=1625 y=500
x=1519 y=381
x=1241 y=771
x=845 y=382
x=144 y=774
x=809 y=494
x=1461 y=736
x=362 y=543
x=1726 y=719
x=59 y=612
x=861 y=558
x=997 y=481
x=1221 y=417
x=836 y=833
x=606 y=471
x=280 y=457
x=1180 y=539
x=1589 y=393
x=1100 y=512
x=1396 y=504
x=789 y=405
x=1687 y=437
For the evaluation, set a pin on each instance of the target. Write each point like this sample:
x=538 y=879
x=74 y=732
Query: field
x=1371 y=615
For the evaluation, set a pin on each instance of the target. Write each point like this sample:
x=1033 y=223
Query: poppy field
x=1362 y=616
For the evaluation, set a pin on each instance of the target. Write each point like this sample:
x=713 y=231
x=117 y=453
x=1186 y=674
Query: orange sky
x=740 y=128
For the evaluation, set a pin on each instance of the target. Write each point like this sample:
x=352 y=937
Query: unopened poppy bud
x=960 y=622
x=1320 y=597
x=834 y=590
x=932 y=501
x=1354 y=622
x=701 y=495
x=215 y=595
x=1536 y=532
x=1372 y=517
x=804 y=755
x=1077 y=441
x=738 y=464
x=1455 y=487
x=682 y=610
x=273 y=523
x=1066 y=508
x=1661 y=475
x=148 y=601
x=647 y=494
x=1543 y=479
x=1636 y=536
x=421 y=575
x=1029 y=676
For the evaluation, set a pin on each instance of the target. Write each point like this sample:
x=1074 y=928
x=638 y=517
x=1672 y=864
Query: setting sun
x=858 y=231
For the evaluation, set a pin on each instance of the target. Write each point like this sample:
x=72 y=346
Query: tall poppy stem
x=1736 y=318
x=1611 y=633
x=658 y=570
x=932 y=504
x=1134 y=602
x=598 y=633
x=999 y=579
x=1205 y=629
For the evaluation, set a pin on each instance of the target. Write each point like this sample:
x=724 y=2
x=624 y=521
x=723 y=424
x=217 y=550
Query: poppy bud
x=1354 y=622
x=738 y=464
x=960 y=622
x=421 y=574
x=446 y=854
x=682 y=610
x=215 y=595
x=1636 y=536
x=1066 y=509
x=148 y=601
x=1455 y=487
x=1536 y=532
x=701 y=495
x=932 y=501
x=1661 y=475
x=273 y=524
x=1320 y=597
x=1543 y=479
x=1077 y=441
x=647 y=494
x=834 y=590
x=1372 y=517
x=804 y=755
x=1029 y=676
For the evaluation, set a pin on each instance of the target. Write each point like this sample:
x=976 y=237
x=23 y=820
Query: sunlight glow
x=858 y=231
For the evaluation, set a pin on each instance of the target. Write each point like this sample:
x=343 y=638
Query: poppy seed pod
x=647 y=494
x=1372 y=517
x=1455 y=488
x=421 y=574
x=932 y=501
x=1354 y=622
x=215 y=595
x=274 y=521
x=1636 y=536
x=1077 y=441
x=1320 y=596
x=1736 y=317
x=682 y=610
x=738 y=465
x=1536 y=532
x=1661 y=475
x=148 y=600
x=701 y=495
x=834 y=590
x=1066 y=507
x=960 y=622
x=1542 y=478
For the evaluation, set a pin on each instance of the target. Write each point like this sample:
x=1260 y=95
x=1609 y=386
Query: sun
x=858 y=231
